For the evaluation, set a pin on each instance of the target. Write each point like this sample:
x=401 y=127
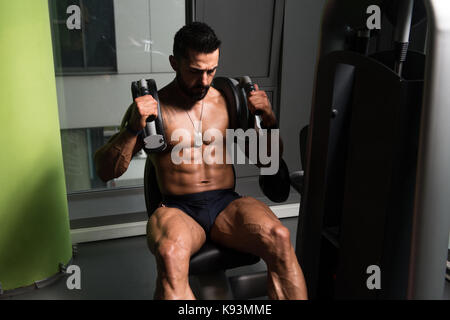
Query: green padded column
x=34 y=224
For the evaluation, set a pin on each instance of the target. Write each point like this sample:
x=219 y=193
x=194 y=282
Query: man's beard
x=196 y=93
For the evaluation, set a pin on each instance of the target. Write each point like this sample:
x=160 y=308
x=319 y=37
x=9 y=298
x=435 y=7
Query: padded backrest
x=152 y=194
x=236 y=101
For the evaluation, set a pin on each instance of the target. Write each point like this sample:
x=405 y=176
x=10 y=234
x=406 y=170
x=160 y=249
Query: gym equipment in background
x=375 y=192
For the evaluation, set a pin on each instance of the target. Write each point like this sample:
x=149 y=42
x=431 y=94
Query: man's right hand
x=142 y=108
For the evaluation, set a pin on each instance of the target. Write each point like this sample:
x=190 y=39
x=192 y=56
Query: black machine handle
x=276 y=187
x=153 y=132
x=247 y=84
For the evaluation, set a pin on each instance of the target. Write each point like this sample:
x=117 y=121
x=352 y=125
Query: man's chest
x=186 y=128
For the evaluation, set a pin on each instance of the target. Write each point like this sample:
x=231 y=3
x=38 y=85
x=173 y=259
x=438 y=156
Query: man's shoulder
x=163 y=93
x=166 y=101
x=215 y=92
x=217 y=97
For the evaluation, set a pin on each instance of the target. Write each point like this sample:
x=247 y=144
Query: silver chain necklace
x=198 y=138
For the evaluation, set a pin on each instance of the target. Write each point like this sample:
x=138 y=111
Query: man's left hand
x=258 y=100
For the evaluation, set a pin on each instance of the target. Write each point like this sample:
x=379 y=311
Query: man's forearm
x=113 y=159
x=268 y=148
x=270 y=122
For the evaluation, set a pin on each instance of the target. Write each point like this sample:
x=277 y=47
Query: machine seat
x=212 y=257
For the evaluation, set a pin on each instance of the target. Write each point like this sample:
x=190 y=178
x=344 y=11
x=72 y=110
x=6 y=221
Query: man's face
x=196 y=73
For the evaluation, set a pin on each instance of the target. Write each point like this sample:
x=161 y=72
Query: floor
x=120 y=269
x=124 y=269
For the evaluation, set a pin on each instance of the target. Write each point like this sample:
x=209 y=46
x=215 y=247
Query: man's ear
x=173 y=63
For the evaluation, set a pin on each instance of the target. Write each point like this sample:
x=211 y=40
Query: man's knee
x=173 y=268
x=277 y=242
x=166 y=245
x=271 y=232
x=172 y=251
x=278 y=236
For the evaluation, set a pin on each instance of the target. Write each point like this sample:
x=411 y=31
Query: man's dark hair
x=197 y=36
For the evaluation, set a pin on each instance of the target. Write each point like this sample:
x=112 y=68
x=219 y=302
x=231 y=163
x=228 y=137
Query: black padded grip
x=135 y=90
x=247 y=86
x=154 y=135
x=153 y=91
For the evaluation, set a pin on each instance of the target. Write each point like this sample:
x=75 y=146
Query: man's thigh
x=243 y=223
x=174 y=227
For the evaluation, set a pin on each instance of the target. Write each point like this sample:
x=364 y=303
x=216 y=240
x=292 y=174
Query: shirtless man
x=198 y=198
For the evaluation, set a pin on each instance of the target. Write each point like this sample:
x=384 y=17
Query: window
x=100 y=47
x=83 y=36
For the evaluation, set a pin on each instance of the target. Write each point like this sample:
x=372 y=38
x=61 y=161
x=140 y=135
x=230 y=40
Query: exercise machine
x=374 y=220
x=208 y=266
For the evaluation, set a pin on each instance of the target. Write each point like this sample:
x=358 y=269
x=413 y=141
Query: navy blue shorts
x=203 y=207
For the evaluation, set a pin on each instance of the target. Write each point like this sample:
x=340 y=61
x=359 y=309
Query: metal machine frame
x=428 y=219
